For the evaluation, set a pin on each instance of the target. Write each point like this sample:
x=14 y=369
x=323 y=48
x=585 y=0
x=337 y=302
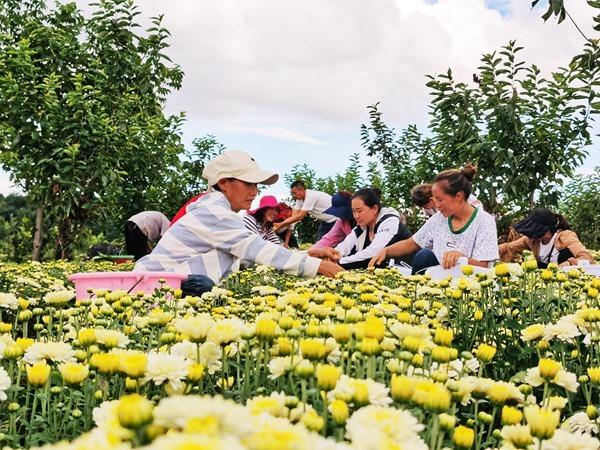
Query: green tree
x=579 y=205
x=525 y=133
x=16 y=219
x=81 y=109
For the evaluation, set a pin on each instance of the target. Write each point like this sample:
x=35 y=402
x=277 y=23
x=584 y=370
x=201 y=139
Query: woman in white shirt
x=423 y=198
x=375 y=228
x=457 y=230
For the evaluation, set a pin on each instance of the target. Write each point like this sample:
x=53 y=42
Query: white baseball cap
x=239 y=165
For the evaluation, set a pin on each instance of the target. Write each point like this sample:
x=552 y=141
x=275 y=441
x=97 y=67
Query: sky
x=289 y=81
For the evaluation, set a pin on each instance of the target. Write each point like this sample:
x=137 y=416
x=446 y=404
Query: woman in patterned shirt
x=260 y=220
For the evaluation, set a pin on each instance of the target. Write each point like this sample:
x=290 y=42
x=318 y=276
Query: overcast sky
x=289 y=81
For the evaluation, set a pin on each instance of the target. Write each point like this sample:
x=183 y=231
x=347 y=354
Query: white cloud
x=278 y=133
x=282 y=60
x=304 y=72
x=7 y=186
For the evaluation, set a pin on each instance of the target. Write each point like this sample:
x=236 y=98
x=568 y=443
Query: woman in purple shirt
x=341 y=208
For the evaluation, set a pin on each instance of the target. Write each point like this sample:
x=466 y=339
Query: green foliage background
x=83 y=132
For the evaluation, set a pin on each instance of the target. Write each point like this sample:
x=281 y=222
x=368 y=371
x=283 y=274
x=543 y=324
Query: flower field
x=369 y=360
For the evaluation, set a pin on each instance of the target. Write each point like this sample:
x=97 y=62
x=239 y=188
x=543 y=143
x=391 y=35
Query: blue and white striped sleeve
x=230 y=235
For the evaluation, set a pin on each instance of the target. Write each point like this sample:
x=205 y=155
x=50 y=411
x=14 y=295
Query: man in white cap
x=210 y=241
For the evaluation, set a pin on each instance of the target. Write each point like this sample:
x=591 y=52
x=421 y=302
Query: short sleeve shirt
x=478 y=239
x=315 y=203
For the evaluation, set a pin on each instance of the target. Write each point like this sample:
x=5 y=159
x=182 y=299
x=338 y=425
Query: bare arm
x=401 y=248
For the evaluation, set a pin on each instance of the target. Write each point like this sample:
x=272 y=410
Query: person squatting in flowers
x=209 y=242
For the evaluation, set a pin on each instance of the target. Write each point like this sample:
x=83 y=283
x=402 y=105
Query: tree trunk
x=64 y=242
x=37 y=237
x=532 y=200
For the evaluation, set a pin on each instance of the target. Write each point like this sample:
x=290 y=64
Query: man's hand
x=450 y=259
x=329 y=269
x=378 y=258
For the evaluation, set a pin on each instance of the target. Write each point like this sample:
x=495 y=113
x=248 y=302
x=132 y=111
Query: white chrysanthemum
x=372 y=422
x=106 y=419
x=581 y=423
x=215 y=293
x=4 y=383
x=96 y=439
x=346 y=386
x=478 y=384
x=317 y=442
x=58 y=352
x=557 y=402
x=141 y=322
x=565 y=440
x=163 y=367
x=562 y=378
x=225 y=331
x=263 y=268
x=281 y=365
x=378 y=441
x=209 y=352
x=533 y=332
x=176 y=412
x=196 y=328
x=428 y=290
x=266 y=290
x=276 y=432
x=564 y=330
x=567 y=380
x=512 y=434
x=274 y=405
x=195 y=441
x=59 y=297
x=442 y=314
x=458 y=367
x=467 y=283
x=333 y=351
x=401 y=330
x=111 y=337
x=514 y=269
x=8 y=301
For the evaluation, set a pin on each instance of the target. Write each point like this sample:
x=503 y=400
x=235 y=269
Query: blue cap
x=340 y=207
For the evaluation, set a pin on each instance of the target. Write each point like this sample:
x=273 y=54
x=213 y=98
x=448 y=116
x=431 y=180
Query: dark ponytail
x=457 y=180
x=561 y=222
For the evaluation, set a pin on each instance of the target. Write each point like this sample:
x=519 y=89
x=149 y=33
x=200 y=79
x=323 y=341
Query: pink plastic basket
x=127 y=281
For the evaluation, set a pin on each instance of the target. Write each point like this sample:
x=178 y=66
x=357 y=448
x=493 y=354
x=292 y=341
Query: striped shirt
x=211 y=240
x=267 y=234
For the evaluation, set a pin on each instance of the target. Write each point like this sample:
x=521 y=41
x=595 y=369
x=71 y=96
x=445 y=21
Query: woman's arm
x=509 y=249
x=400 y=248
x=570 y=240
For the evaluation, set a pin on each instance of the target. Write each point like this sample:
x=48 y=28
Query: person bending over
x=549 y=236
x=309 y=202
x=210 y=241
